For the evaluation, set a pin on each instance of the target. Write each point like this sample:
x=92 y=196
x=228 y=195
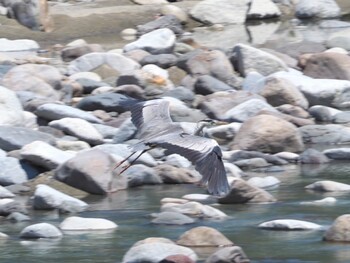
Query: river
x=131 y=210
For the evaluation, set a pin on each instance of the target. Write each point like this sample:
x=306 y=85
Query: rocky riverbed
x=65 y=120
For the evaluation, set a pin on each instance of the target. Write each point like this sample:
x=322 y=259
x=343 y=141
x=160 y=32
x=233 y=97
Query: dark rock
x=167 y=21
x=107 y=102
x=161 y=60
x=207 y=84
x=89 y=85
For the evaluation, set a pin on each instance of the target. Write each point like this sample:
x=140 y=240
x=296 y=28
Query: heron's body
x=156 y=129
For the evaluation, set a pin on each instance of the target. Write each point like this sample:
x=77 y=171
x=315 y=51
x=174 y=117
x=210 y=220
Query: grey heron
x=156 y=129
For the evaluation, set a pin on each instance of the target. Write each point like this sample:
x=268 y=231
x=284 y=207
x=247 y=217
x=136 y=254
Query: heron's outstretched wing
x=204 y=153
x=147 y=112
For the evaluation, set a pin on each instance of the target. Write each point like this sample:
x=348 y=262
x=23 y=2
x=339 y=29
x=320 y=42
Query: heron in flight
x=156 y=129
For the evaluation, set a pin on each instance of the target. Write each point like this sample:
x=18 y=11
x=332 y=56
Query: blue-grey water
x=131 y=210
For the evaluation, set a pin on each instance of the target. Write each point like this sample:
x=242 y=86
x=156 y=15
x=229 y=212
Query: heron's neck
x=199 y=129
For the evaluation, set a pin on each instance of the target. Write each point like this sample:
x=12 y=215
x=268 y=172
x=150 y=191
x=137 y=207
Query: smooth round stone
x=41 y=230
x=75 y=223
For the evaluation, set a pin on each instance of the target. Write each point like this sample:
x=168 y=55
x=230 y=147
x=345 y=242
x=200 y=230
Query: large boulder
x=90 y=171
x=269 y=134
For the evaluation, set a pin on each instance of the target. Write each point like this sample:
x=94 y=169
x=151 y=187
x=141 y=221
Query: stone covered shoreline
x=64 y=123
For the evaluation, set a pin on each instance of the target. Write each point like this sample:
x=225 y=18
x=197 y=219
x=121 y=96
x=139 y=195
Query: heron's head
x=211 y=122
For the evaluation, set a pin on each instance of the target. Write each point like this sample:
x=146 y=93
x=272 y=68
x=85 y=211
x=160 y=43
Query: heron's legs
x=132 y=162
x=125 y=168
x=123 y=161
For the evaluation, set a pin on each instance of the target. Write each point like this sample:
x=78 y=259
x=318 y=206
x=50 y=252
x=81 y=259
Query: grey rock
x=89 y=85
x=242 y=192
x=91 y=61
x=43 y=80
x=8 y=206
x=139 y=174
x=313 y=156
x=18 y=217
x=296 y=49
x=174 y=175
x=252 y=59
x=339 y=39
x=318 y=9
x=323 y=113
x=168 y=21
x=41 y=230
x=207 y=84
x=217 y=104
x=48 y=198
x=234 y=254
x=342 y=117
x=90 y=171
x=180 y=93
x=279 y=91
x=107 y=102
x=125 y=132
x=70 y=53
x=209 y=62
x=172 y=218
x=337 y=153
x=273 y=135
x=51 y=111
x=11 y=172
x=247 y=109
x=327 y=134
x=161 y=60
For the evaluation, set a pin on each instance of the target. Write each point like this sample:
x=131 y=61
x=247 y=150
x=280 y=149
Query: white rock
x=44 y=154
x=247 y=109
x=233 y=170
x=290 y=224
x=155 y=252
x=11 y=172
x=324 y=201
x=289 y=156
x=317 y=8
x=53 y=111
x=11 y=111
x=4 y=193
x=3 y=235
x=46 y=197
x=156 y=42
x=94 y=60
x=177 y=160
x=7 y=45
x=75 y=223
x=220 y=11
x=194 y=209
x=79 y=128
x=328 y=186
x=41 y=230
x=264 y=182
x=200 y=197
x=172 y=218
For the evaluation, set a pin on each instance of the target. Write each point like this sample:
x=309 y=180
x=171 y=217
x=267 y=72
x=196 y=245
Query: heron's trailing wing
x=204 y=153
x=148 y=112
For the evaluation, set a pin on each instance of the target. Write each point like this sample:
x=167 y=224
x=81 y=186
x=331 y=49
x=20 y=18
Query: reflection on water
x=131 y=211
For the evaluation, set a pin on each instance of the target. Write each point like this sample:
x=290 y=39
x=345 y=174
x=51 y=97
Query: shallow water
x=131 y=210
